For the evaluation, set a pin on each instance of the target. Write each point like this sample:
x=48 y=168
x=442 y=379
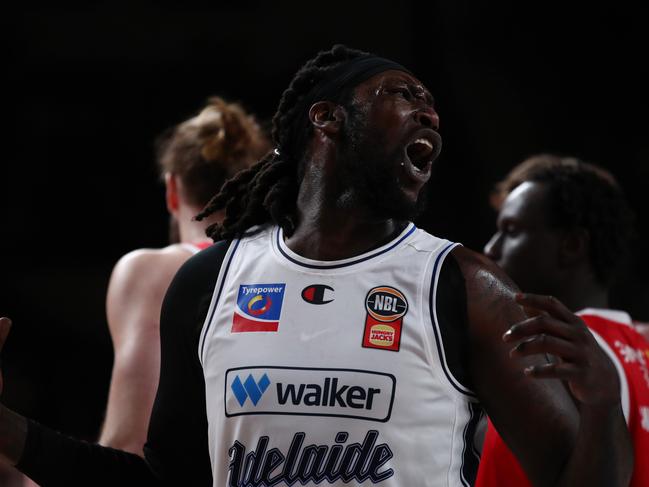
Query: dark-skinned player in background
x=564 y=227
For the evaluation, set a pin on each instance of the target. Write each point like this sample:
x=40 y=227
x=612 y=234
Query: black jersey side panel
x=177 y=446
x=452 y=319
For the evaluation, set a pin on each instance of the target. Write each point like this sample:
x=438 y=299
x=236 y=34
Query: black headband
x=349 y=74
x=346 y=75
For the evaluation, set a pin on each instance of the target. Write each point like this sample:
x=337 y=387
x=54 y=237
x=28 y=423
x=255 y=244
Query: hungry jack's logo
x=258 y=308
x=386 y=307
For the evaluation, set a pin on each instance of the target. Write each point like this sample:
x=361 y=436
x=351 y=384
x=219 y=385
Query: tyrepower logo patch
x=386 y=307
x=302 y=391
x=258 y=309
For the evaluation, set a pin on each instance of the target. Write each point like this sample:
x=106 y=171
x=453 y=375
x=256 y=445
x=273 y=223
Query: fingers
x=5 y=326
x=543 y=344
x=563 y=371
x=543 y=324
x=583 y=365
x=555 y=331
x=549 y=304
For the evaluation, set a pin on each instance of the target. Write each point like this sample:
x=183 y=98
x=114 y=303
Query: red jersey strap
x=195 y=247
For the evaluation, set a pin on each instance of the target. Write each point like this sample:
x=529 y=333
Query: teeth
x=425 y=142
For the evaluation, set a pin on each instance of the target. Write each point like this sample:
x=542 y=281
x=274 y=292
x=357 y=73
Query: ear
x=327 y=116
x=574 y=247
x=171 y=193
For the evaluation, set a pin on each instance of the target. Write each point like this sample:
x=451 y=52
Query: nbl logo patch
x=386 y=307
x=259 y=307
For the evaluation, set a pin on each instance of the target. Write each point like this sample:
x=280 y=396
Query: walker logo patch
x=259 y=307
x=386 y=307
x=318 y=294
x=305 y=391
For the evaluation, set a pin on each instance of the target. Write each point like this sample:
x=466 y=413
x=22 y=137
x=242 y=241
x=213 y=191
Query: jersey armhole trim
x=435 y=324
x=218 y=288
x=624 y=385
x=470 y=457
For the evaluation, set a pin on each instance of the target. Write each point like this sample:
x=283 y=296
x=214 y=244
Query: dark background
x=90 y=86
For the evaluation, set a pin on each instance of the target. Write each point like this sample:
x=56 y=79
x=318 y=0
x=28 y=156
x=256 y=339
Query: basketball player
x=194 y=157
x=326 y=340
x=563 y=227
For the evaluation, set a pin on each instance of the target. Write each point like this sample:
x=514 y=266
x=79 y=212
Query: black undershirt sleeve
x=176 y=452
x=177 y=444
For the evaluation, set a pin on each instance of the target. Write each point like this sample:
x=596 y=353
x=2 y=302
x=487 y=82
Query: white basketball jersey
x=333 y=373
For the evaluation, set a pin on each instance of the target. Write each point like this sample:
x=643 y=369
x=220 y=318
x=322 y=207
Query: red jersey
x=629 y=352
x=195 y=247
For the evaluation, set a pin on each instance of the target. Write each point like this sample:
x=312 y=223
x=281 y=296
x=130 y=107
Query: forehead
x=528 y=202
x=383 y=78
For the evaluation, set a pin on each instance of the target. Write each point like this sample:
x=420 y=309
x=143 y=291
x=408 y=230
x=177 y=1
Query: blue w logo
x=249 y=388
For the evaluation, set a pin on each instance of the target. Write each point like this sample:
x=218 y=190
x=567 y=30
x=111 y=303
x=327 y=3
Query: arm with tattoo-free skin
x=556 y=443
x=137 y=287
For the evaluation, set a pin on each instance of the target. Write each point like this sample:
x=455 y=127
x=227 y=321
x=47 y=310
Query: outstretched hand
x=5 y=325
x=554 y=329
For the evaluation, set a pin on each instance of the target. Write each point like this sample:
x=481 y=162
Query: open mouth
x=421 y=152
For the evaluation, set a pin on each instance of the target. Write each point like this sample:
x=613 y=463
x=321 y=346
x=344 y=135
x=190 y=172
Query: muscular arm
x=176 y=451
x=555 y=443
x=135 y=293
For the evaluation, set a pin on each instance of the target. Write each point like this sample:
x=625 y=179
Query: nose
x=492 y=248
x=427 y=117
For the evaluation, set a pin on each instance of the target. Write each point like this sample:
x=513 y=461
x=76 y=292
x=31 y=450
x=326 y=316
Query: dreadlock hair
x=580 y=195
x=209 y=148
x=267 y=192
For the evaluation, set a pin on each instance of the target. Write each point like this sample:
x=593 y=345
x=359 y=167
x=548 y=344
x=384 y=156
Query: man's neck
x=337 y=239
x=327 y=230
x=584 y=293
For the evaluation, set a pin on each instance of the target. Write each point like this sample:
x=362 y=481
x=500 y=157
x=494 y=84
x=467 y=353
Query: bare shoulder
x=147 y=266
x=138 y=284
x=490 y=292
x=483 y=277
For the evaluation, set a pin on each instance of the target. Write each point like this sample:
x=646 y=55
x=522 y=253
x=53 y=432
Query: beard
x=366 y=174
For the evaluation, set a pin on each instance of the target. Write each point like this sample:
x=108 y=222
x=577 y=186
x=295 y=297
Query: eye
x=402 y=91
x=420 y=95
x=510 y=228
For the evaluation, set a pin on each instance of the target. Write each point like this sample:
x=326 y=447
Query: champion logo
x=318 y=294
x=249 y=388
